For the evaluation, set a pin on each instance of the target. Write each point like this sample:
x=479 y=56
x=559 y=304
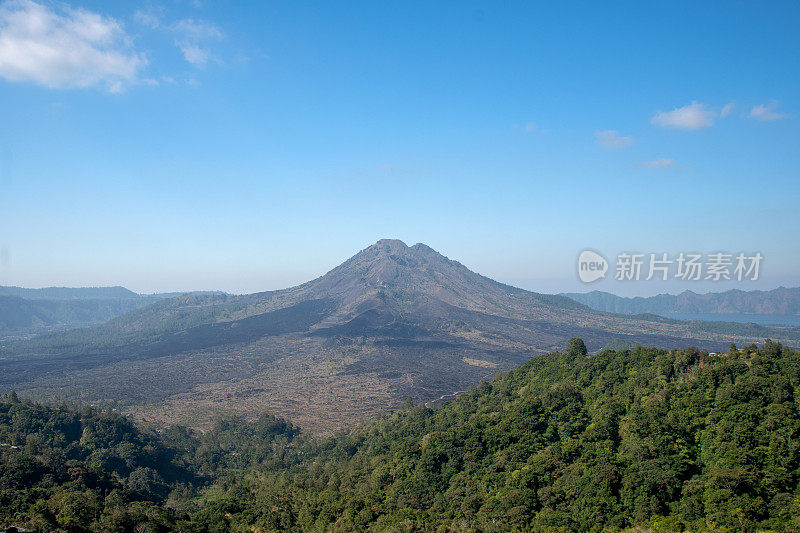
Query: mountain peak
x=409 y=276
x=420 y=247
x=389 y=245
x=391 y=263
x=396 y=247
x=396 y=253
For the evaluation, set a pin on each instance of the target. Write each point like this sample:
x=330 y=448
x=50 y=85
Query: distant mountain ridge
x=25 y=311
x=18 y=315
x=780 y=301
x=70 y=293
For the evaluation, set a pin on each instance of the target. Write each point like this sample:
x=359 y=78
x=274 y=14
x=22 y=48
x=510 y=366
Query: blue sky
x=247 y=146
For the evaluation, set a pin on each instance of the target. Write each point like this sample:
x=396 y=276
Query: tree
x=576 y=347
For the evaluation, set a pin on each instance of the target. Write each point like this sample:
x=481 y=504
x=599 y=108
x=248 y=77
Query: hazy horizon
x=619 y=288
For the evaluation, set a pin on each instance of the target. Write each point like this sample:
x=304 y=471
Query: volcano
x=392 y=323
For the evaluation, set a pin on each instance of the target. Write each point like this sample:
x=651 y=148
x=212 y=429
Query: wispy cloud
x=193 y=39
x=612 y=139
x=662 y=162
x=767 y=112
x=694 y=116
x=60 y=47
x=727 y=109
x=192 y=36
x=150 y=17
x=528 y=127
x=198 y=29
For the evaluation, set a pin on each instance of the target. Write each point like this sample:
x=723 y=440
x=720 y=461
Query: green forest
x=644 y=439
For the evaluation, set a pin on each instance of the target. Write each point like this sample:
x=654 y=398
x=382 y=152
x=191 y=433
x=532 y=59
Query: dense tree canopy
x=670 y=441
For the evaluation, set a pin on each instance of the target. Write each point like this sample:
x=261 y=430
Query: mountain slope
x=392 y=322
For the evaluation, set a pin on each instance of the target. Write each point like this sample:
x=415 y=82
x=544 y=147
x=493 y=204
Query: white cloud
x=766 y=112
x=530 y=127
x=694 y=116
x=193 y=53
x=662 y=162
x=61 y=47
x=612 y=139
x=727 y=109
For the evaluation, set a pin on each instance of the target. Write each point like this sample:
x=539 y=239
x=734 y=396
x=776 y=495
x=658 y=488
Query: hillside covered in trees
x=664 y=440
